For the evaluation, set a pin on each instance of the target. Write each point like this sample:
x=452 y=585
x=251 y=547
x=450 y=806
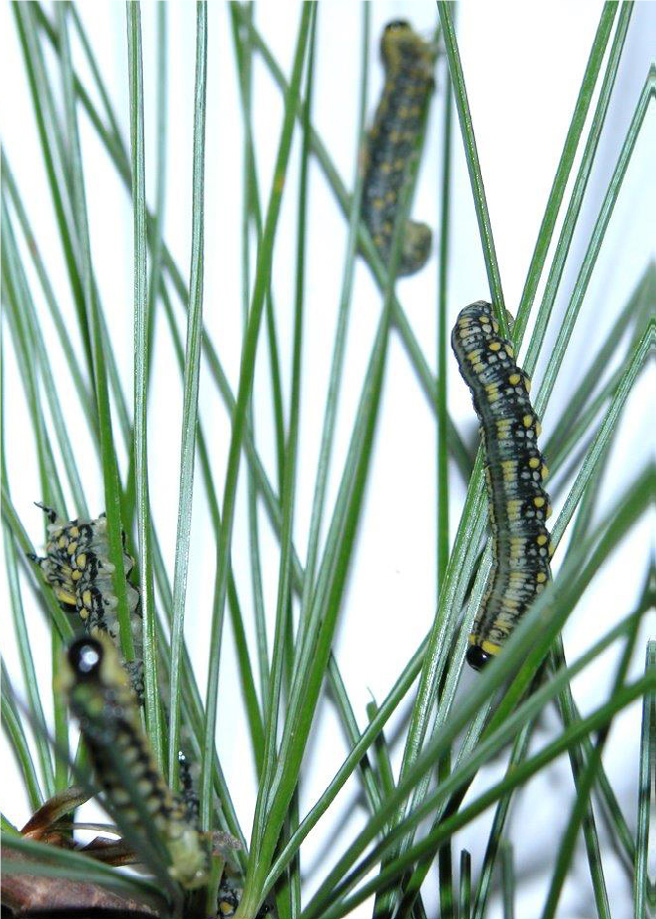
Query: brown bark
x=31 y=895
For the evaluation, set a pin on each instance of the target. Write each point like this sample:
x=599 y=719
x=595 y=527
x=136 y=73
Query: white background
x=523 y=65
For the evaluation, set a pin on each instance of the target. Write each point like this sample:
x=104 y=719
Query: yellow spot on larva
x=538 y=428
x=548 y=512
x=541 y=577
x=490 y=647
x=545 y=471
x=527 y=421
x=86 y=598
x=81 y=560
x=534 y=462
x=509 y=350
x=514 y=379
x=527 y=384
x=77 y=575
x=64 y=596
x=539 y=502
x=542 y=539
x=495 y=345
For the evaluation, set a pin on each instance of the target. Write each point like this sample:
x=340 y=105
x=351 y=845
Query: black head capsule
x=477 y=658
x=85 y=657
x=397 y=24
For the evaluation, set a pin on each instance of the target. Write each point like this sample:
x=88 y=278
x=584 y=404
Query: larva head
x=477 y=658
x=81 y=665
x=90 y=671
x=85 y=658
x=397 y=36
x=396 y=26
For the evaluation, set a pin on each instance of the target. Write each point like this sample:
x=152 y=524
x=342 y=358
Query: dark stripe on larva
x=409 y=64
x=514 y=472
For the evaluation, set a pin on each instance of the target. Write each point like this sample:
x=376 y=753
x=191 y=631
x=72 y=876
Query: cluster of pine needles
x=411 y=816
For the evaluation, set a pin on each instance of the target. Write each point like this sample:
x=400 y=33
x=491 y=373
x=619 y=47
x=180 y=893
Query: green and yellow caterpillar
x=514 y=473
x=100 y=697
x=409 y=64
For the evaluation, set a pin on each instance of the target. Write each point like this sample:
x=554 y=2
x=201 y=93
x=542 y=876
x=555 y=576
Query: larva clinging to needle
x=514 y=473
x=409 y=64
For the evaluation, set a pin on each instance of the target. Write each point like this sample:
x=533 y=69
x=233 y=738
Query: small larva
x=100 y=697
x=514 y=473
x=409 y=64
x=77 y=567
x=231 y=889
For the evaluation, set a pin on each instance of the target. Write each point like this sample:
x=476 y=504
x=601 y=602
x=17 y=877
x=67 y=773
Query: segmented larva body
x=106 y=707
x=514 y=473
x=409 y=64
x=231 y=889
x=77 y=567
